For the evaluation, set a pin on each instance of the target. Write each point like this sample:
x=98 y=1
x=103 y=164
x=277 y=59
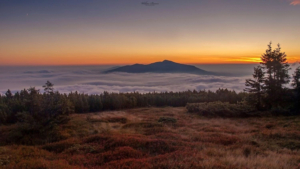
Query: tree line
x=51 y=104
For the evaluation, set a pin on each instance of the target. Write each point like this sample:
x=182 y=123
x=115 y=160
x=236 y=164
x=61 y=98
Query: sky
x=109 y=32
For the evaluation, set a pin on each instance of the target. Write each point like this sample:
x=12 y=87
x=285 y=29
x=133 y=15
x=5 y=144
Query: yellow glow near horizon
x=121 y=60
x=126 y=49
x=91 y=55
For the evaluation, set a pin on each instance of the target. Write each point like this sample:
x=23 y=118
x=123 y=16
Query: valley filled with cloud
x=92 y=80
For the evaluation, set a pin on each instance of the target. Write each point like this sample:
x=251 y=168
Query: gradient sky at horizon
x=83 y=32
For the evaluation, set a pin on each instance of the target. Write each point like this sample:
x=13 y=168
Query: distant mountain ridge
x=165 y=66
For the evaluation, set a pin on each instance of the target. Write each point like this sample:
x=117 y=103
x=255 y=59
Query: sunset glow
x=106 y=32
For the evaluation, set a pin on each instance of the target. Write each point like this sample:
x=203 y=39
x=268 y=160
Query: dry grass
x=136 y=139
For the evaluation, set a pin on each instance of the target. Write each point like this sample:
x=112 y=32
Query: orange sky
x=121 y=60
x=109 y=55
x=125 y=32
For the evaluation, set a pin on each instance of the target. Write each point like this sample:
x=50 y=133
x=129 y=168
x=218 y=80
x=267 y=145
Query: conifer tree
x=274 y=62
x=255 y=87
x=8 y=94
x=48 y=87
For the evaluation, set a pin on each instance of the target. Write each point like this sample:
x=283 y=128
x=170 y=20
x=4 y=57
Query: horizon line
x=29 y=65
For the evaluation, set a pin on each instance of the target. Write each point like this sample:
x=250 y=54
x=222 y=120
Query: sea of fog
x=91 y=80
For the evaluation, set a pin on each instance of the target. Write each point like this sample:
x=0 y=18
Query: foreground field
x=164 y=138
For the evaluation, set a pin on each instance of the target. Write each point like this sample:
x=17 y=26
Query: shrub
x=128 y=163
x=146 y=128
x=108 y=119
x=41 y=164
x=80 y=149
x=120 y=153
x=59 y=147
x=247 y=152
x=167 y=120
x=151 y=146
x=280 y=111
x=142 y=125
x=220 y=109
x=96 y=139
x=215 y=138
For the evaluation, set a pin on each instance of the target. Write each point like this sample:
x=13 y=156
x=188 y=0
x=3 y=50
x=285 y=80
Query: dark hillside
x=165 y=66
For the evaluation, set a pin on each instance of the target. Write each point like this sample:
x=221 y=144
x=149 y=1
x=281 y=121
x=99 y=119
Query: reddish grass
x=108 y=141
x=59 y=147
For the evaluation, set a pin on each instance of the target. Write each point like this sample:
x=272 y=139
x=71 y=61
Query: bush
x=167 y=120
x=220 y=109
x=108 y=119
x=120 y=153
x=280 y=111
x=59 y=147
x=41 y=163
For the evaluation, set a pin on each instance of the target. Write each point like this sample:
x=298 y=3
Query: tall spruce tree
x=275 y=64
x=255 y=87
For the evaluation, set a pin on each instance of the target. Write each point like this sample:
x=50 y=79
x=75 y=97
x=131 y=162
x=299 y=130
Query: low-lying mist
x=91 y=80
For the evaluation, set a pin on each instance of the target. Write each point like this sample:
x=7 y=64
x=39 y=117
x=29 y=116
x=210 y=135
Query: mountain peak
x=167 y=61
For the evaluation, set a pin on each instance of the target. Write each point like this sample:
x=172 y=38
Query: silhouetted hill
x=165 y=66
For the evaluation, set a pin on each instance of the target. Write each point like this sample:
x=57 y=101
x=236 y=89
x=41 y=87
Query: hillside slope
x=162 y=138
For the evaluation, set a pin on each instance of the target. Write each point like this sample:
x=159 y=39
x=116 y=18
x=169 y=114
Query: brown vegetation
x=162 y=138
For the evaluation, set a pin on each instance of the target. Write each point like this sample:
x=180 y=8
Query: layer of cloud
x=294 y=2
x=40 y=71
x=90 y=80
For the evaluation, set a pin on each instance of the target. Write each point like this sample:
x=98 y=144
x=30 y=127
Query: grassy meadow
x=162 y=138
